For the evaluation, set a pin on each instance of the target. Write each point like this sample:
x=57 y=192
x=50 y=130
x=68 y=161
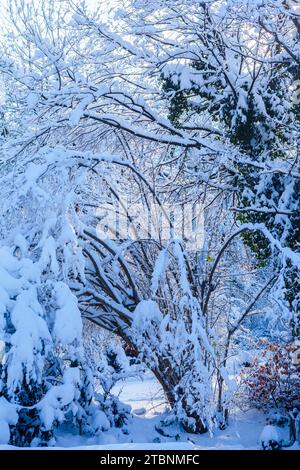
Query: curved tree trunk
x=169 y=381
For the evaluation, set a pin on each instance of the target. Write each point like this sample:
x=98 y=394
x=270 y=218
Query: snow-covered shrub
x=8 y=418
x=42 y=368
x=272 y=380
x=113 y=368
x=43 y=373
x=147 y=296
x=169 y=333
x=269 y=438
x=109 y=365
x=27 y=341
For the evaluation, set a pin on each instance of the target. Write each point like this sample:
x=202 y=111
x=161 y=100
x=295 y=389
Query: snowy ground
x=147 y=402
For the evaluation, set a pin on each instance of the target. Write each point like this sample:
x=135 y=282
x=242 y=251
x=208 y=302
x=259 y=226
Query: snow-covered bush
x=43 y=373
x=169 y=333
x=269 y=438
x=8 y=418
x=42 y=366
x=113 y=368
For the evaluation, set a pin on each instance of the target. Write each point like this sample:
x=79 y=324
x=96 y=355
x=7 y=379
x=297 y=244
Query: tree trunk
x=169 y=381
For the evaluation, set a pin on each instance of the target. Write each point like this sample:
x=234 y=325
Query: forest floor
x=148 y=406
x=146 y=399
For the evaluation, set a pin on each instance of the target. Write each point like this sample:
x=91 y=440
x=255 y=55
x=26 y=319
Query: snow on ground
x=141 y=393
x=147 y=401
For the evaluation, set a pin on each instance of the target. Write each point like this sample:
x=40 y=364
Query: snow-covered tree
x=175 y=101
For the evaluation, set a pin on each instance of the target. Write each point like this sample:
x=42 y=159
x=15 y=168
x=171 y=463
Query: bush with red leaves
x=272 y=379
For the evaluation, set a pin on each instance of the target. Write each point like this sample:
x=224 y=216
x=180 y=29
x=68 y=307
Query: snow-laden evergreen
x=45 y=378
